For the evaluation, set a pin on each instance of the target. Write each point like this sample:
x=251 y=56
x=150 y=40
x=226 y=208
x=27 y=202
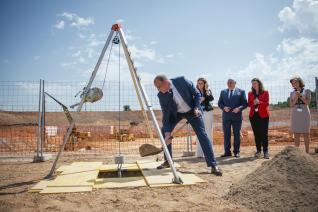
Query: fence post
x=316 y=82
x=43 y=120
x=37 y=157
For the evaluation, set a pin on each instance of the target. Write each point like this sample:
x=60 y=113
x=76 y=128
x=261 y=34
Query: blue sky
x=62 y=40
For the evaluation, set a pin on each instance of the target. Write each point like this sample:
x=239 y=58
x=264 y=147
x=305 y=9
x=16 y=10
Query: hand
x=236 y=110
x=206 y=87
x=167 y=138
x=208 y=92
x=256 y=101
x=227 y=109
x=197 y=112
x=202 y=99
x=298 y=93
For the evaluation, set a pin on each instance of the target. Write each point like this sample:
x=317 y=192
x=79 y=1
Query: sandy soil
x=17 y=177
x=289 y=180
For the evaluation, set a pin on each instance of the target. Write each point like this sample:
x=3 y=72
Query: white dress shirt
x=182 y=106
x=232 y=92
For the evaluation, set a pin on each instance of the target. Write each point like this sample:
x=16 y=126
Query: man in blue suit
x=232 y=102
x=179 y=99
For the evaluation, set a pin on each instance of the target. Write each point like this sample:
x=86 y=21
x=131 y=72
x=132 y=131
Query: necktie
x=231 y=94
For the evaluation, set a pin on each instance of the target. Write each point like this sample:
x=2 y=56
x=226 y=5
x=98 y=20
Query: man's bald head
x=162 y=83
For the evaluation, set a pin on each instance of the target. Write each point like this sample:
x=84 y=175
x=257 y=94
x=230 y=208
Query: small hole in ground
x=124 y=173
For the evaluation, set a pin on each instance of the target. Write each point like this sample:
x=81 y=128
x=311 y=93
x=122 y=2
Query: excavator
x=77 y=138
x=125 y=134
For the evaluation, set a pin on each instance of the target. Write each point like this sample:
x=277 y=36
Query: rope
x=119 y=97
x=110 y=51
x=111 y=47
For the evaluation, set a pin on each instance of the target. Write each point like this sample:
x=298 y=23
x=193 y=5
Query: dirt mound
x=288 y=182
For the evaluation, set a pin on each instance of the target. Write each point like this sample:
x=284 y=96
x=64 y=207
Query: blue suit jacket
x=188 y=92
x=238 y=100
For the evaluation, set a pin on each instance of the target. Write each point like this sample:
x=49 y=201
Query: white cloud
x=90 y=52
x=160 y=60
x=120 y=21
x=76 y=54
x=87 y=55
x=81 y=60
x=79 y=22
x=293 y=57
x=65 y=65
x=147 y=78
x=82 y=36
x=170 y=56
x=36 y=57
x=145 y=53
x=60 y=25
x=68 y=16
x=130 y=37
x=154 y=42
x=74 y=20
x=94 y=43
x=180 y=54
x=303 y=16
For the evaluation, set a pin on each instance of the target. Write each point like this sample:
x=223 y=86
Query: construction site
x=96 y=133
x=83 y=152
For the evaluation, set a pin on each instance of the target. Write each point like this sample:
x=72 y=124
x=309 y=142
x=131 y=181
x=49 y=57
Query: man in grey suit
x=232 y=102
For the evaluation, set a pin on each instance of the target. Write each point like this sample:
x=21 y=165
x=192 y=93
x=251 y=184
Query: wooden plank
x=40 y=186
x=78 y=167
x=82 y=178
x=90 y=164
x=147 y=164
x=192 y=177
x=78 y=174
x=120 y=182
x=163 y=177
x=113 y=167
x=62 y=169
x=54 y=190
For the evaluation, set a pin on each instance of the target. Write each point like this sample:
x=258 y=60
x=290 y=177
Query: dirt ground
x=278 y=114
x=16 y=178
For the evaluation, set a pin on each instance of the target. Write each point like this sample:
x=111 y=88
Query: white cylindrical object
x=119 y=159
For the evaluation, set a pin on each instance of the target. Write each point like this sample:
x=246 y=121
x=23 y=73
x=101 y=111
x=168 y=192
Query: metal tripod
x=140 y=93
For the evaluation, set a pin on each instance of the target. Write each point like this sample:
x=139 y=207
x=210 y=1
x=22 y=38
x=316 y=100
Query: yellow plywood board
x=40 y=186
x=78 y=167
x=146 y=164
x=90 y=164
x=191 y=177
x=83 y=178
x=62 y=169
x=54 y=190
x=77 y=174
x=120 y=182
x=113 y=167
x=163 y=177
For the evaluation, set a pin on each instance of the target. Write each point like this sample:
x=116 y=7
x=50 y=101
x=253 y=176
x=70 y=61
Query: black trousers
x=260 y=130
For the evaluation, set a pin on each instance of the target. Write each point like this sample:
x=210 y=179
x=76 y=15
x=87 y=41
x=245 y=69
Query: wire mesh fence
x=98 y=129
